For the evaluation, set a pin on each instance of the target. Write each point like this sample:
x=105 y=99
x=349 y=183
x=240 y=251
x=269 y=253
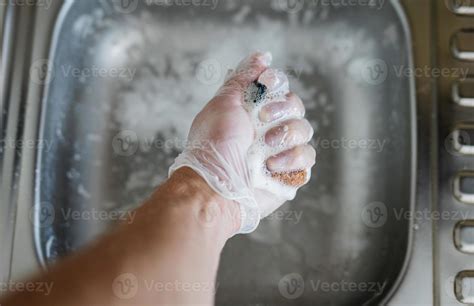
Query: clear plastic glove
x=225 y=135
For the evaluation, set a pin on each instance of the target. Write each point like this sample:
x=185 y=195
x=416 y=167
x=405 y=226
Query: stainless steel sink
x=341 y=228
x=98 y=85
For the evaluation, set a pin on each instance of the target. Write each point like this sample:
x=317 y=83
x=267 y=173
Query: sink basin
x=125 y=81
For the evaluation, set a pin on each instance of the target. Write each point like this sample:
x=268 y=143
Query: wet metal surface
x=342 y=241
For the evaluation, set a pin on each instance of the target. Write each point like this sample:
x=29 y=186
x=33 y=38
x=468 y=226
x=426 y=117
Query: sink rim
x=399 y=10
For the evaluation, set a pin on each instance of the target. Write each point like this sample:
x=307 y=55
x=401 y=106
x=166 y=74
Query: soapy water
x=179 y=66
x=178 y=69
x=187 y=73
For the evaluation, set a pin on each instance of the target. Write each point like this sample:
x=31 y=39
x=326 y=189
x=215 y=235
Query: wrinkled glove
x=248 y=137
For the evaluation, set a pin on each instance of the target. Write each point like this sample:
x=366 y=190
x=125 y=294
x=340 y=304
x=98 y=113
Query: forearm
x=169 y=254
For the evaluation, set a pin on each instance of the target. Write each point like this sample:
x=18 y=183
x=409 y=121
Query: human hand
x=223 y=137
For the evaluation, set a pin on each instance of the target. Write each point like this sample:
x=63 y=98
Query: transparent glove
x=225 y=137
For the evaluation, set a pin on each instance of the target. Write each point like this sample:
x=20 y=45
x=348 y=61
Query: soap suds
x=271 y=87
x=169 y=90
x=180 y=65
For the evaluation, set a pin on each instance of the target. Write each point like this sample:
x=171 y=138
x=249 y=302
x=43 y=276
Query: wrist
x=210 y=209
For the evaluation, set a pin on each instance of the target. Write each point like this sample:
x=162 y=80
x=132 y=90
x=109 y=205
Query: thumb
x=246 y=72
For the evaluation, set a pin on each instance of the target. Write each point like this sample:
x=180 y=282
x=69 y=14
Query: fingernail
x=274 y=80
x=273 y=111
x=267 y=58
x=277 y=136
x=228 y=75
x=298 y=158
x=279 y=162
x=290 y=133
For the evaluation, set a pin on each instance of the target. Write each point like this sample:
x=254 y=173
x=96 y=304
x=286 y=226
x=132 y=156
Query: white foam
x=277 y=84
x=166 y=93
